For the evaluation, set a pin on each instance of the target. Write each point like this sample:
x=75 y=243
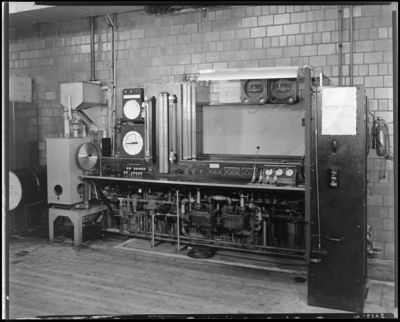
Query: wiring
x=255 y=110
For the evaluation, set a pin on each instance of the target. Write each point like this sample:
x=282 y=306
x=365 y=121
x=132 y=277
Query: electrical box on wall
x=20 y=89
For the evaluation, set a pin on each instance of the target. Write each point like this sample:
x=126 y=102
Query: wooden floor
x=98 y=279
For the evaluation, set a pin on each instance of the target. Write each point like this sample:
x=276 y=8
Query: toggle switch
x=333 y=180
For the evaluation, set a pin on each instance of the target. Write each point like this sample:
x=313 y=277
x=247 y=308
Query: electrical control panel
x=267 y=174
x=278 y=174
x=124 y=168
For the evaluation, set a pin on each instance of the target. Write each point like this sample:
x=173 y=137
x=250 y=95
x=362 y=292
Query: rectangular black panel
x=337 y=271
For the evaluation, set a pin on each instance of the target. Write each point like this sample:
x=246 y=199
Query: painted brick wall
x=158 y=49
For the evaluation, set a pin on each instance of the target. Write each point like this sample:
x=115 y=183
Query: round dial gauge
x=268 y=172
x=254 y=88
x=132 y=143
x=87 y=156
x=131 y=109
x=279 y=172
x=282 y=88
x=289 y=172
x=15 y=191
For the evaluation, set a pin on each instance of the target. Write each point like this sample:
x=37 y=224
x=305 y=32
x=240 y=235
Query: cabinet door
x=337 y=268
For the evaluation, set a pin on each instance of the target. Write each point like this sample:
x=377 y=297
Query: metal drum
x=27 y=185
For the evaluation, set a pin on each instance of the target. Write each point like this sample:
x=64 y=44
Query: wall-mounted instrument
x=132 y=99
x=254 y=91
x=132 y=141
x=283 y=90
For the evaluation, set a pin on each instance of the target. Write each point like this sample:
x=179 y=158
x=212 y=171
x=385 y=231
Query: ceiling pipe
x=340 y=45
x=92 y=60
x=351 y=45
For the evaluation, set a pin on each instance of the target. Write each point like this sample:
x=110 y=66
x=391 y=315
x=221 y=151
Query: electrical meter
x=278 y=174
x=132 y=141
x=254 y=91
x=282 y=90
x=132 y=99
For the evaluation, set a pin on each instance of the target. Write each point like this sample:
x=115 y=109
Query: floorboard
x=98 y=279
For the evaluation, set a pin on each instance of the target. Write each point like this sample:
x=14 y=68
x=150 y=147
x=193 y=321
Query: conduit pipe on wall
x=351 y=45
x=113 y=85
x=340 y=45
x=92 y=78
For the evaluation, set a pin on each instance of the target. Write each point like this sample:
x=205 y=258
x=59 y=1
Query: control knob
x=194 y=171
x=202 y=172
x=187 y=171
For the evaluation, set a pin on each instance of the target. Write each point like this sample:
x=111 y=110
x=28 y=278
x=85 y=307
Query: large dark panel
x=337 y=271
x=23 y=135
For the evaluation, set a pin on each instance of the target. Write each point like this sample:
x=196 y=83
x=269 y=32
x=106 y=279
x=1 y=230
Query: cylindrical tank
x=27 y=185
x=380 y=137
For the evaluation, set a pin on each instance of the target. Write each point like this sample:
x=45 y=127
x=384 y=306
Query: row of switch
x=192 y=171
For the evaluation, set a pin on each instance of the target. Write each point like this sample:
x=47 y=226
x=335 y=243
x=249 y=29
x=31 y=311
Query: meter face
x=282 y=88
x=254 y=88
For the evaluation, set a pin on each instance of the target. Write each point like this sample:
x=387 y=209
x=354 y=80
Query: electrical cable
x=255 y=110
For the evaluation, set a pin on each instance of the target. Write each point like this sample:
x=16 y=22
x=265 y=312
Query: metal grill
x=234 y=222
x=215 y=172
x=247 y=172
x=232 y=172
x=204 y=218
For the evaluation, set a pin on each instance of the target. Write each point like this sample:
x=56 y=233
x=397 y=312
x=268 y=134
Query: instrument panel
x=277 y=174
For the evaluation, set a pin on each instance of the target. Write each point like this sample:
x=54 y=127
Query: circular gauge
x=254 y=88
x=268 y=172
x=87 y=156
x=15 y=191
x=279 y=172
x=132 y=143
x=282 y=88
x=131 y=109
x=289 y=172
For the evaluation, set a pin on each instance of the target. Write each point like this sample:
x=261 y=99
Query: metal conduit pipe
x=351 y=45
x=227 y=248
x=226 y=242
x=113 y=78
x=219 y=198
x=92 y=60
x=340 y=45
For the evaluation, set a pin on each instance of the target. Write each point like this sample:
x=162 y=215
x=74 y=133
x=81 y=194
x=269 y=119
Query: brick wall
x=157 y=49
